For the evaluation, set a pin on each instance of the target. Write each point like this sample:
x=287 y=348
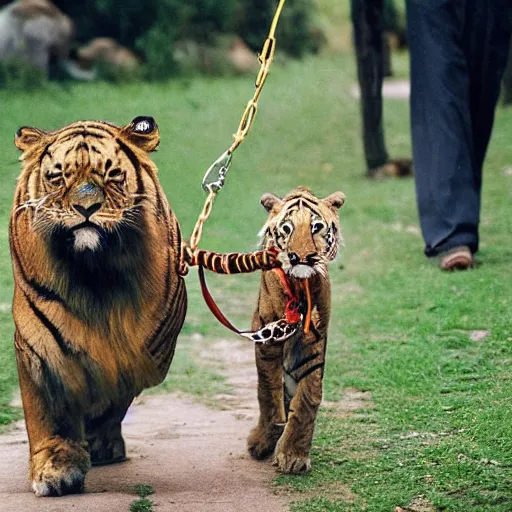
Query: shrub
x=298 y=31
x=16 y=73
x=199 y=20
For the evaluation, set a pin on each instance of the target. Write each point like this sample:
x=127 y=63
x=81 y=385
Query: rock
x=109 y=51
x=242 y=57
x=105 y=53
x=227 y=55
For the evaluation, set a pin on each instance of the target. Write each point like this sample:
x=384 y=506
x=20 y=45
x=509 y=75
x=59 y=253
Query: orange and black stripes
x=233 y=262
x=306 y=366
x=40 y=290
x=162 y=343
x=64 y=345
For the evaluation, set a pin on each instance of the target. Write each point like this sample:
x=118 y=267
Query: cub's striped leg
x=103 y=434
x=58 y=453
x=304 y=359
x=264 y=436
x=269 y=364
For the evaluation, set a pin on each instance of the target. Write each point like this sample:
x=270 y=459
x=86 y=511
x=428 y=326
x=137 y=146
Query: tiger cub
x=306 y=233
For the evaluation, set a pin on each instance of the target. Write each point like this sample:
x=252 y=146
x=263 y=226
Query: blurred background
x=158 y=39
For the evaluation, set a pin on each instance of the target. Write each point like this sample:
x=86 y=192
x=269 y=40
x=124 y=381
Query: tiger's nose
x=310 y=259
x=87 y=212
x=86 y=198
x=294 y=258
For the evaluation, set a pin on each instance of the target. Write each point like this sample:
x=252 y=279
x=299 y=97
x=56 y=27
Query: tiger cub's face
x=85 y=183
x=304 y=229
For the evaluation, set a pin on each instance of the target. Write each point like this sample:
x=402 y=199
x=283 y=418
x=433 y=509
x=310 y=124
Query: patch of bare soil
x=238 y=366
x=352 y=402
x=194 y=457
x=333 y=491
x=417 y=504
x=392 y=88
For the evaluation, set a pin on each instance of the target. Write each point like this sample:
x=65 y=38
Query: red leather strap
x=210 y=302
x=284 y=281
x=292 y=314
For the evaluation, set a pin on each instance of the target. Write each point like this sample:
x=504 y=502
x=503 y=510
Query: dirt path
x=194 y=457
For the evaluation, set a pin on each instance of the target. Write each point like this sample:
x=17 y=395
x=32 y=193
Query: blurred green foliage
x=298 y=32
x=19 y=74
x=151 y=28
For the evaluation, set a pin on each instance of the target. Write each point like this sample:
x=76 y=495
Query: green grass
x=440 y=424
x=143 y=504
x=144 y=490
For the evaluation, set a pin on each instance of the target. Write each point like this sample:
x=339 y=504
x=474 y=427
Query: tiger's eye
x=287 y=228
x=316 y=227
x=116 y=174
x=54 y=176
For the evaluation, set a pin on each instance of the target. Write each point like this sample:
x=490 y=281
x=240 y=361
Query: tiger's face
x=86 y=183
x=304 y=229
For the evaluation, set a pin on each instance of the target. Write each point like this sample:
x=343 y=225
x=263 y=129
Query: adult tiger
x=98 y=301
x=305 y=231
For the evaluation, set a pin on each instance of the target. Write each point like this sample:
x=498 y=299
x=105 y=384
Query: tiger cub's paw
x=262 y=441
x=59 y=467
x=291 y=463
x=289 y=460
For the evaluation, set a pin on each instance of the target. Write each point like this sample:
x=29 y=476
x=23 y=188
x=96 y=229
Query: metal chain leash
x=215 y=176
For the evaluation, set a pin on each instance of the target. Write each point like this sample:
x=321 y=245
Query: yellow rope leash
x=215 y=176
x=213 y=183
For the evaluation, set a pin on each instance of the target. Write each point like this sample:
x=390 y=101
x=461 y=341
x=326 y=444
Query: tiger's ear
x=26 y=137
x=269 y=200
x=143 y=132
x=336 y=200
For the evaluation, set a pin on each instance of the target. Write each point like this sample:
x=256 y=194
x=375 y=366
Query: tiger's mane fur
x=98 y=302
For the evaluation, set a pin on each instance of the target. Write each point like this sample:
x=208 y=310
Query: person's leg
x=487 y=43
x=448 y=198
x=507 y=80
x=367 y=24
x=458 y=54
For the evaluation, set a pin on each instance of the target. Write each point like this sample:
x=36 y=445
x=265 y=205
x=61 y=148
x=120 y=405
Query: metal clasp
x=215 y=176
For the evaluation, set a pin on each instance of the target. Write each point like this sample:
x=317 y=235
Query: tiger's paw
x=104 y=450
x=58 y=467
x=289 y=460
x=262 y=441
x=291 y=463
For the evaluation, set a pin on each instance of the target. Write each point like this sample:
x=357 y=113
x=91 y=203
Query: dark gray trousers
x=458 y=52
x=367 y=22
